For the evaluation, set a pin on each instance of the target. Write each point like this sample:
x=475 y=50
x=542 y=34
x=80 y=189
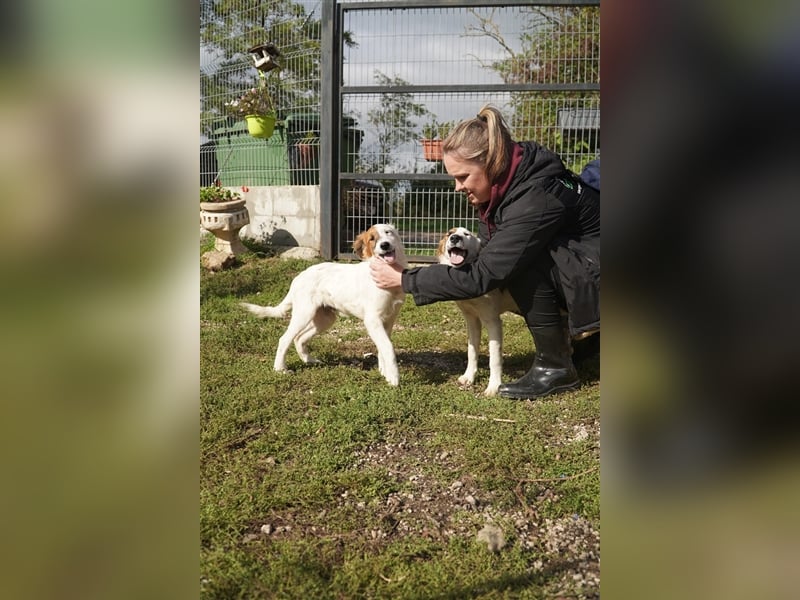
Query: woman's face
x=470 y=178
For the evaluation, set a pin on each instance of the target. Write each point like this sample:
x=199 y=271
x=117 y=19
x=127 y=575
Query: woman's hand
x=384 y=275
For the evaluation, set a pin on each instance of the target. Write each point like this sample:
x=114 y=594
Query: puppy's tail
x=263 y=312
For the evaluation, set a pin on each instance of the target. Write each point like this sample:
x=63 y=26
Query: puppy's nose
x=455 y=239
x=386 y=246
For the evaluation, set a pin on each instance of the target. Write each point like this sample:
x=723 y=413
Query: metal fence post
x=329 y=126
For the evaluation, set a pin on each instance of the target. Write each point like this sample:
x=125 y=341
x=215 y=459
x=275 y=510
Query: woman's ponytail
x=484 y=139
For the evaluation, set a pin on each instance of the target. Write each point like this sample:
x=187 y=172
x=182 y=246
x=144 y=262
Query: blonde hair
x=484 y=139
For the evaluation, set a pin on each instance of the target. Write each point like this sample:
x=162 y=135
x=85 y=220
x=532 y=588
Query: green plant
x=445 y=129
x=430 y=130
x=255 y=101
x=215 y=193
x=433 y=130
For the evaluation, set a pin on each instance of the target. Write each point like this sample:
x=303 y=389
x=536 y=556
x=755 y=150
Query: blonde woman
x=540 y=230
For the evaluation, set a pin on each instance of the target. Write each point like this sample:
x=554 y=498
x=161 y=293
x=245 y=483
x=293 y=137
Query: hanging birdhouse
x=264 y=56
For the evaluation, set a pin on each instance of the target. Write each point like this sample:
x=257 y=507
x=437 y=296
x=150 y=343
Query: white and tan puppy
x=457 y=248
x=321 y=292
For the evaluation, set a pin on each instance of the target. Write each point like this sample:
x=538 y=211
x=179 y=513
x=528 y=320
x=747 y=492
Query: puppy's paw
x=465 y=382
x=491 y=389
x=392 y=376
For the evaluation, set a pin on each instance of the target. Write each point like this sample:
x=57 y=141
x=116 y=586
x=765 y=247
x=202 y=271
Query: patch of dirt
x=429 y=505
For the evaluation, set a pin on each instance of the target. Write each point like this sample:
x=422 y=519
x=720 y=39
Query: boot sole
x=555 y=390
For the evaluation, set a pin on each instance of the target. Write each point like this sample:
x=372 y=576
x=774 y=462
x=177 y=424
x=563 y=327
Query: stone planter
x=224 y=220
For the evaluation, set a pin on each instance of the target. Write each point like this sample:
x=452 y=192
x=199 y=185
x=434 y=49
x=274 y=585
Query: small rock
x=580 y=434
x=215 y=260
x=456 y=485
x=267 y=529
x=300 y=252
x=493 y=537
x=469 y=499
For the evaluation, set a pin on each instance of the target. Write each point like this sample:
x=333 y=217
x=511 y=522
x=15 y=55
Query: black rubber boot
x=552 y=369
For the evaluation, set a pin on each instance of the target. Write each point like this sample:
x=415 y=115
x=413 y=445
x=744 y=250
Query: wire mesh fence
x=566 y=122
x=413 y=76
x=422 y=206
x=228 y=69
x=529 y=43
x=405 y=74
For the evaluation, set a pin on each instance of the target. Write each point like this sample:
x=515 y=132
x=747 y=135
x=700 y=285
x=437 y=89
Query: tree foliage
x=561 y=45
x=392 y=120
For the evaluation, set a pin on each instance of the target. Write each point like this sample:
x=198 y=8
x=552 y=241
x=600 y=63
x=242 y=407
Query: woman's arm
x=527 y=228
x=523 y=235
x=386 y=276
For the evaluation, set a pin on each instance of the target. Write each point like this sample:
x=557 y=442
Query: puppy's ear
x=361 y=245
x=442 y=242
x=358 y=245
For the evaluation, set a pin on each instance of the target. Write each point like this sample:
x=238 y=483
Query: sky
x=424 y=47
x=420 y=47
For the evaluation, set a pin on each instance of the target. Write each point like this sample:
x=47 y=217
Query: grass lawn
x=328 y=483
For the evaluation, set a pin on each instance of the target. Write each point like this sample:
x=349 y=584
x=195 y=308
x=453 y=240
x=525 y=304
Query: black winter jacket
x=546 y=208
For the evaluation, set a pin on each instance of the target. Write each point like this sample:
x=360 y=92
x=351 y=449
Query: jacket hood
x=538 y=163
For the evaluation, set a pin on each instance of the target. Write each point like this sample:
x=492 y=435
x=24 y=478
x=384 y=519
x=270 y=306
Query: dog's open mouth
x=457 y=256
x=389 y=257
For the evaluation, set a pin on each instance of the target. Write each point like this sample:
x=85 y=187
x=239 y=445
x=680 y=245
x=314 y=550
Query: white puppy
x=321 y=292
x=457 y=248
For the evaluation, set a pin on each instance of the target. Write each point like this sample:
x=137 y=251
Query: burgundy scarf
x=486 y=210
